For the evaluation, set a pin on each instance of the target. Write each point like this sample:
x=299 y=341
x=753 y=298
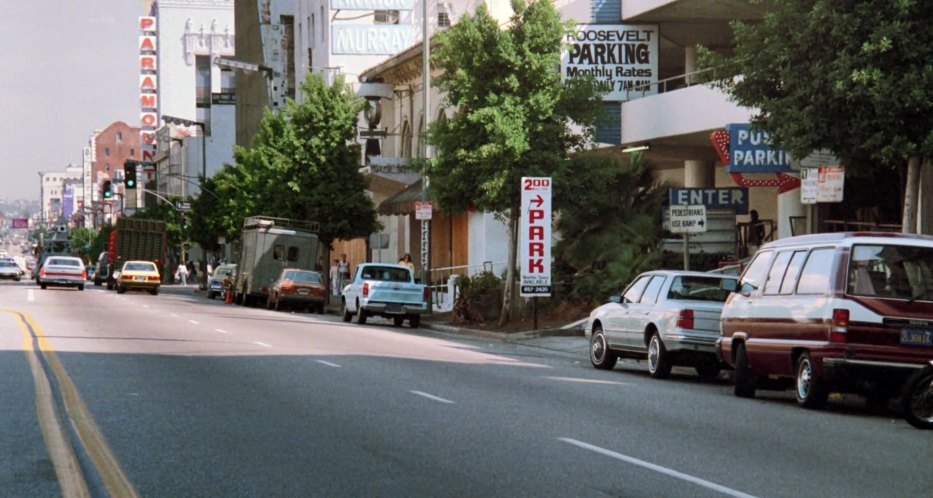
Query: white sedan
x=668 y=317
x=62 y=271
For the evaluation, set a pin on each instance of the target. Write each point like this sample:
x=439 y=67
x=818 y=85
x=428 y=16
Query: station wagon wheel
x=659 y=363
x=917 y=402
x=745 y=380
x=811 y=391
x=346 y=313
x=600 y=355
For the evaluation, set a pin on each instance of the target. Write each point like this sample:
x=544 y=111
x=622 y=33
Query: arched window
x=406 y=139
x=421 y=147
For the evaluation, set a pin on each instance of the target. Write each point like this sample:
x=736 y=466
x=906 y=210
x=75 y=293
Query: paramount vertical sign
x=148 y=87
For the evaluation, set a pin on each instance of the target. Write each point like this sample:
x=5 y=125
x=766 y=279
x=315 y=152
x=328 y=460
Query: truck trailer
x=268 y=245
x=135 y=239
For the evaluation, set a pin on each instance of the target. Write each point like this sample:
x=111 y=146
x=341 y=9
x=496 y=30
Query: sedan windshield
x=308 y=277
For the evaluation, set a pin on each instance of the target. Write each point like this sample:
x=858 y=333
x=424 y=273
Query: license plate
x=139 y=278
x=302 y=291
x=916 y=337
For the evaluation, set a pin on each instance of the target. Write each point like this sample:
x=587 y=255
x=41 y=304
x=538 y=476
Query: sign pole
x=686 y=252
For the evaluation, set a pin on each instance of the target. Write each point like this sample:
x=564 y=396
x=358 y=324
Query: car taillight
x=840 y=325
x=365 y=289
x=84 y=274
x=685 y=319
x=42 y=272
x=426 y=294
x=152 y=279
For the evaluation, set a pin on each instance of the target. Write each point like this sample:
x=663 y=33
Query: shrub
x=478 y=298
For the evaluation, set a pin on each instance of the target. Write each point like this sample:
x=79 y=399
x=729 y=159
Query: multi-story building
x=182 y=87
x=110 y=148
x=52 y=187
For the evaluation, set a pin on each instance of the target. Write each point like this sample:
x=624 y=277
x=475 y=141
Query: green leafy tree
x=608 y=239
x=82 y=242
x=852 y=77
x=512 y=114
x=302 y=165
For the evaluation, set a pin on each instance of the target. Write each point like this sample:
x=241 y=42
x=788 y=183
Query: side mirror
x=615 y=299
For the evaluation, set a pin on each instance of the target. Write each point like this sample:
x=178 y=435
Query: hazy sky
x=67 y=68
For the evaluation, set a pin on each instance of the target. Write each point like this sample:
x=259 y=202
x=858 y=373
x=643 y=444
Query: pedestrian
x=406 y=261
x=344 y=266
x=756 y=232
x=335 y=278
x=181 y=274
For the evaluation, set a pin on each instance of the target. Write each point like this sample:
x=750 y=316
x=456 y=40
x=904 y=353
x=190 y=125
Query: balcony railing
x=671 y=84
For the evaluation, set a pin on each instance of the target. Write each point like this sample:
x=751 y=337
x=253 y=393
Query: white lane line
x=194 y=322
x=322 y=362
x=657 y=468
x=173 y=314
x=585 y=381
x=31 y=295
x=430 y=396
x=222 y=331
x=262 y=344
x=145 y=306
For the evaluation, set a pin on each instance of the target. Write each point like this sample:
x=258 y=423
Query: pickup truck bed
x=386 y=290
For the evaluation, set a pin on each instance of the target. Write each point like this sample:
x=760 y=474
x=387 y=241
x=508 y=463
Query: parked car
x=385 y=290
x=668 y=317
x=298 y=289
x=9 y=270
x=90 y=270
x=102 y=270
x=62 y=271
x=138 y=275
x=844 y=312
x=215 y=286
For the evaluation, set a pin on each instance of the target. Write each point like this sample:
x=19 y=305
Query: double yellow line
x=71 y=478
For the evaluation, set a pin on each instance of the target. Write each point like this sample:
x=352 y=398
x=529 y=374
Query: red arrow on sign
x=538 y=200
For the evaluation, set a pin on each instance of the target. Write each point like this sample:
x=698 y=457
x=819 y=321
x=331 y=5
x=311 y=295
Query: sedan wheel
x=659 y=364
x=600 y=355
x=811 y=391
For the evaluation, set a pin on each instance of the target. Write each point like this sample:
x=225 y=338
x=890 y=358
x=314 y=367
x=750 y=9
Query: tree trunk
x=507 y=292
x=911 y=195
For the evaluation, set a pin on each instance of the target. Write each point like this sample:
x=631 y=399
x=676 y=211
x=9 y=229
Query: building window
x=406 y=140
x=203 y=80
x=132 y=152
x=443 y=15
x=107 y=167
x=106 y=151
x=119 y=136
x=386 y=17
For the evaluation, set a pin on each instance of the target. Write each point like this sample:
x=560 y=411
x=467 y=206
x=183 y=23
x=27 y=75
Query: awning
x=403 y=202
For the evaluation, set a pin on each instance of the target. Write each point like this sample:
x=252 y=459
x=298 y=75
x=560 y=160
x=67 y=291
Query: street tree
x=850 y=77
x=608 y=239
x=302 y=164
x=511 y=114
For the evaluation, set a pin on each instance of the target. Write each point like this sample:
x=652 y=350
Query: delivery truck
x=132 y=239
x=267 y=246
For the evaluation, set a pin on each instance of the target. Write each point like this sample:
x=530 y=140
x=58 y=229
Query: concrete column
x=699 y=174
x=788 y=204
x=690 y=63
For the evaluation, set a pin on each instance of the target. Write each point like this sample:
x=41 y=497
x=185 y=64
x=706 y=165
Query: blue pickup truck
x=386 y=290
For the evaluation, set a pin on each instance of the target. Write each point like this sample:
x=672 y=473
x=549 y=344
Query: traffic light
x=129 y=174
x=107 y=190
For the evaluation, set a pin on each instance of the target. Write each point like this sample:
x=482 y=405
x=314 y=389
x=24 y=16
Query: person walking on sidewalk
x=181 y=274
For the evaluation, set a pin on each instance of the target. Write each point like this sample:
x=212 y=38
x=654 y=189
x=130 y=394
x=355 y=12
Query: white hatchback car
x=668 y=317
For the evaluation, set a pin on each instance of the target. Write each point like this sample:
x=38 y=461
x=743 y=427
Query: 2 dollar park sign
x=535 y=236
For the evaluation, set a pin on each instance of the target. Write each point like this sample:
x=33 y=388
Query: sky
x=67 y=68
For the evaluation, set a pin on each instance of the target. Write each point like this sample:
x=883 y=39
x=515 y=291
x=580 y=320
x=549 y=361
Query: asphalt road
x=177 y=395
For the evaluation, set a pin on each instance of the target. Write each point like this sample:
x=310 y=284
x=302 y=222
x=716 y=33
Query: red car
x=298 y=289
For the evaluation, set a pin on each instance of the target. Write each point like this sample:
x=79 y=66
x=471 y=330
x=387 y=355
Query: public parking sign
x=535 y=237
x=688 y=219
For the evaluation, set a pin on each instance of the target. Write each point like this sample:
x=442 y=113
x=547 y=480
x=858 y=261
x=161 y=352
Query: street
x=178 y=395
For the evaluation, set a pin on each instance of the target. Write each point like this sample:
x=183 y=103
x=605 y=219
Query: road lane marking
x=30 y=295
x=657 y=468
x=173 y=314
x=222 y=331
x=586 y=381
x=82 y=422
x=262 y=344
x=432 y=397
x=322 y=362
x=195 y=322
x=67 y=469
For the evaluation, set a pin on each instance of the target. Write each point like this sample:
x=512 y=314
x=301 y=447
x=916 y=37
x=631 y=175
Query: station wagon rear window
x=891 y=271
